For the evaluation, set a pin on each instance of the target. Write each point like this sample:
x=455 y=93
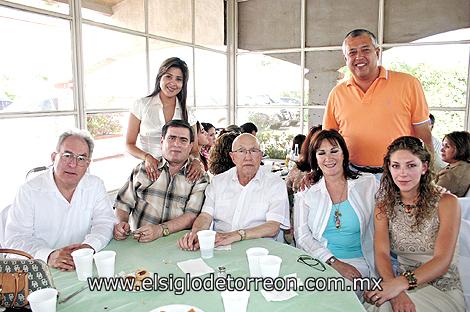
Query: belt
x=368 y=169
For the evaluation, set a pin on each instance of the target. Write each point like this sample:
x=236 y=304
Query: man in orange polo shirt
x=375 y=106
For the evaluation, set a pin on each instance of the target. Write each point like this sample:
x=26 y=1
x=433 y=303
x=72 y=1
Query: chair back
x=464 y=249
x=3 y=222
x=34 y=172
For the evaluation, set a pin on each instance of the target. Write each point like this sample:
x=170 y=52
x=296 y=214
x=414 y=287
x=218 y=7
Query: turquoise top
x=344 y=242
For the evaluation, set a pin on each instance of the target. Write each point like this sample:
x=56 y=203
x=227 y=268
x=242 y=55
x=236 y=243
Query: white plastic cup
x=206 y=243
x=104 y=261
x=253 y=254
x=83 y=259
x=270 y=266
x=43 y=300
x=235 y=301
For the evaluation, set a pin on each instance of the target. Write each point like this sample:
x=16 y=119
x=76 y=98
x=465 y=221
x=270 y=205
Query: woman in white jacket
x=333 y=218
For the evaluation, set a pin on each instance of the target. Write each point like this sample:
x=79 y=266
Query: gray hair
x=359 y=32
x=244 y=135
x=82 y=134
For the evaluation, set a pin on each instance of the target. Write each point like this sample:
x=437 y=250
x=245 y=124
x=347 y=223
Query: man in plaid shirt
x=169 y=204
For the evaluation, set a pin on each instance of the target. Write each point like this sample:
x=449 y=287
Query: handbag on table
x=20 y=277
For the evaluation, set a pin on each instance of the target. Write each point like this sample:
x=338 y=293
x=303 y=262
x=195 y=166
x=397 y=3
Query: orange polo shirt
x=370 y=121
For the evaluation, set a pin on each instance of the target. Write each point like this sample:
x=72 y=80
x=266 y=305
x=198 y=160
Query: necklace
x=407 y=208
x=337 y=211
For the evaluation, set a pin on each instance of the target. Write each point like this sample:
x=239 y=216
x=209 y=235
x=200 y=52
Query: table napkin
x=226 y=247
x=195 y=267
x=281 y=295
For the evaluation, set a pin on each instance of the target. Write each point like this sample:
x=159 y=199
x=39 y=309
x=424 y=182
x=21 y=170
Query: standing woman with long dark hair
x=149 y=114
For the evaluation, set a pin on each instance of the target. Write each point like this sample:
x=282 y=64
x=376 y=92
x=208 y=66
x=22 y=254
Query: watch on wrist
x=165 y=231
x=242 y=234
x=331 y=260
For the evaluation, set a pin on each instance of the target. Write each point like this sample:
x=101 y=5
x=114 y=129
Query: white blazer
x=315 y=204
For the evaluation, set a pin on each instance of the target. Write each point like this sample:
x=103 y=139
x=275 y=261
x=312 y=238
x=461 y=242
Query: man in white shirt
x=243 y=202
x=63 y=209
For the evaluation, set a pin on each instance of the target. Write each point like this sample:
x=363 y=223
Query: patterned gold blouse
x=415 y=246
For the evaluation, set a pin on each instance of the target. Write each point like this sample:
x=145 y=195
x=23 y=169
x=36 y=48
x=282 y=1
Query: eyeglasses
x=81 y=160
x=312 y=262
x=243 y=152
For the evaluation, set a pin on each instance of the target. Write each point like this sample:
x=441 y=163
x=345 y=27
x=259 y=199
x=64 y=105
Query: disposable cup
x=253 y=254
x=206 y=243
x=235 y=301
x=104 y=261
x=83 y=259
x=43 y=300
x=270 y=266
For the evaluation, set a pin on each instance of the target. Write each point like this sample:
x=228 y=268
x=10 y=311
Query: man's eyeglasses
x=252 y=151
x=81 y=160
x=312 y=262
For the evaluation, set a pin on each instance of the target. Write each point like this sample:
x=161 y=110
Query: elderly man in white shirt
x=244 y=202
x=63 y=209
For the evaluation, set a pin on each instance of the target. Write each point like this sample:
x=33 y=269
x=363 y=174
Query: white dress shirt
x=42 y=220
x=234 y=206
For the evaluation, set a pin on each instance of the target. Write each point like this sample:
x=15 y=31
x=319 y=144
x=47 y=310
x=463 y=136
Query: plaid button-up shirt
x=162 y=200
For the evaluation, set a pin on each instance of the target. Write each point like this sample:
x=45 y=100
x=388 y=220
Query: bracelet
x=411 y=278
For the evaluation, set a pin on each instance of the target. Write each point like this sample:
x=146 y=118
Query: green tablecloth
x=161 y=257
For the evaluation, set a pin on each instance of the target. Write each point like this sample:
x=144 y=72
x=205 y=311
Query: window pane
x=210 y=23
x=268 y=24
x=60 y=6
x=444 y=79
x=110 y=159
x=35 y=63
x=216 y=116
x=30 y=143
x=171 y=19
x=211 y=78
x=446 y=122
x=115 y=73
x=126 y=14
x=323 y=14
x=276 y=127
x=273 y=79
x=160 y=51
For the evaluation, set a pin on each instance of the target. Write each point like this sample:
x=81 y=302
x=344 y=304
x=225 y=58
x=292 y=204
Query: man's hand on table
x=62 y=258
x=189 y=242
x=121 y=230
x=223 y=239
x=148 y=233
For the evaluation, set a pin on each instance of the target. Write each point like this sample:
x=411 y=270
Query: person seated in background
x=420 y=224
x=244 y=202
x=63 y=209
x=231 y=128
x=202 y=140
x=219 y=159
x=249 y=127
x=438 y=163
x=456 y=152
x=211 y=131
x=169 y=204
x=294 y=173
x=333 y=218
